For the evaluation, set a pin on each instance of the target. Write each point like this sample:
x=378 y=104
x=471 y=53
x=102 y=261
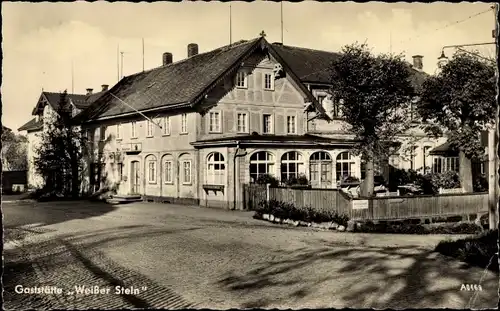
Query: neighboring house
x=45 y=108
x=224 y=118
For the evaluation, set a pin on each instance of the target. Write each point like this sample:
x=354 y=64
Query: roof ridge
x=221 y=49
x=303 y=48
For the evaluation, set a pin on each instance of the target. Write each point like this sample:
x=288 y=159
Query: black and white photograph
x=249 y=155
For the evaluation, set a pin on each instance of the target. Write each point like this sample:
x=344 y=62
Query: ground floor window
x=320 y=169
x=445 y=164
x=216 y=169
x=186 y=172
x=167 y=167
x=292 y=164
x=261 y=163
x=151 y=161
x=344 y=166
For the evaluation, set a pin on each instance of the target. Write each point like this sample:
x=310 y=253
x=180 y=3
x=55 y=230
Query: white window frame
x=299 y=164
x=244 y=80
x=168 y=175
x=271 y=82
x=149 y=129
x=133 y=129
x=183 y=175
x=152 y=163
x=350 y=161
x=166 y=128
x=184 y=123
x=271 y=123
x=215 y=126
x=288 y=124
x=119 y=131
x=216 y=176
x=242 y=128
x=269 y=161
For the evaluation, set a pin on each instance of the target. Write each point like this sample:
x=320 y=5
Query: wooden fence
x=377 y=208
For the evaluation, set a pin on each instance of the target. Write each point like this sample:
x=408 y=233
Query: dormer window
x=268 y=82
x=241 y=79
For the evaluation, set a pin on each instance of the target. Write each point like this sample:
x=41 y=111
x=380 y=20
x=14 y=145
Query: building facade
x=43 y=114
x=202 y=127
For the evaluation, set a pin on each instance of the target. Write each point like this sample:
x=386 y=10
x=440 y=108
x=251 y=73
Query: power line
x=448 y=25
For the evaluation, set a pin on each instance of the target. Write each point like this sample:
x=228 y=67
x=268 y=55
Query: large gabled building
x=43 y=112
x=198 y=129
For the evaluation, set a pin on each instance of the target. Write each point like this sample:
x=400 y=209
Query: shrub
x=446 y=180
x=480 y=183
x=286 y=210
x=267 y=179
x=480 y=251
x=410 y=228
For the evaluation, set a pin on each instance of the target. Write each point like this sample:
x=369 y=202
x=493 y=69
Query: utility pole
x=281 y=22
x=118 y=62
x=493 y=157
x=230 y=25
x=121 y=64
x=72 y=77
x=142 y=54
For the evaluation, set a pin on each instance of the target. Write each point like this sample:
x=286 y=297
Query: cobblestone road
x=186 y=257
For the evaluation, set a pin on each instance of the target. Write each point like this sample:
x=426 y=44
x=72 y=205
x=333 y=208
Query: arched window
x=261 y=163
x=216 y=169
x=292 y=163
x=320 y=169
x=168 y=169
x=345 y=164
x=151 y=168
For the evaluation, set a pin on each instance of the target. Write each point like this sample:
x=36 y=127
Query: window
x=290 y=125
x=413 y=157
x=184 y=123
x=261 y=163
x=425 y=163
x=186 y=172
x=214 y=122
x=102 y=133
x=267 y=124
x=134 y=129
x=119 y=131
x=120 y=171
x=268 y=81
x=292 y=163
x=216 y=169
x=166 y=126
x=242 y=123
x=149 y=128
x=168 y=172
x=320 y=168
x=344 y=167
x=445 y=164
x=320 y=98
x=241 y=79
x=151 y=161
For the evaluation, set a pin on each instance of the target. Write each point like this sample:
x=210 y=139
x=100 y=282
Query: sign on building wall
x=360 y=204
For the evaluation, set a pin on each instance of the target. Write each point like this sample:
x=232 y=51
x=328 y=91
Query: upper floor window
x=267 y=124
x=242 y=123
x=241 y=79
x=119 y=131
x=133 y=125
x=268 y=81
x=166 y=126
x=320 y=98
x=291 y=127
x=184 y=123
x=149 y=128
x=214 y=122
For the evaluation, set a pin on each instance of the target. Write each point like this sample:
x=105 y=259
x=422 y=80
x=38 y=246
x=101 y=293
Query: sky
x=43 y=41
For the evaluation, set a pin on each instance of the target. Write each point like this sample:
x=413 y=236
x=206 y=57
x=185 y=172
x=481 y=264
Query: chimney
x=417 y=62
x=104 y=87
x=192 y=49
x=89 y=91
x=167 y=58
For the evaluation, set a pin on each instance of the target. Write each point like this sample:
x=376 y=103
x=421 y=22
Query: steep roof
x=80 y=101
x=313 y=66
x=177 y=83
x=31 y=125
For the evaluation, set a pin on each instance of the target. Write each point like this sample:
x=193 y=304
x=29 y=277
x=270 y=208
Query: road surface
x=147 y=255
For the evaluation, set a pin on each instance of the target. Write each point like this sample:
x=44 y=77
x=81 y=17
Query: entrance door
x=135 y=177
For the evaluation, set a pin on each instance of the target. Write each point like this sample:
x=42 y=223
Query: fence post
x=267 y=192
